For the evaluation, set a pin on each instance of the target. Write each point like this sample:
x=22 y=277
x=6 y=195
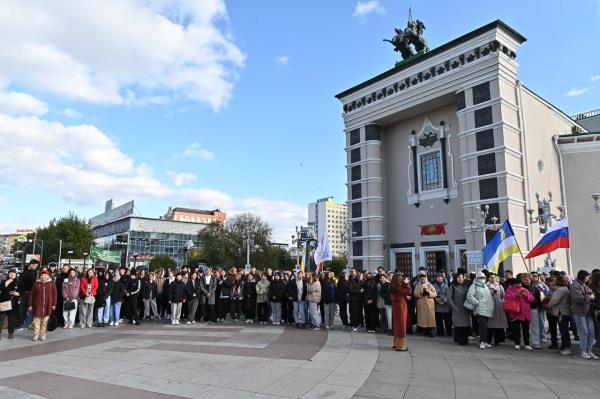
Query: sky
x=226 y=104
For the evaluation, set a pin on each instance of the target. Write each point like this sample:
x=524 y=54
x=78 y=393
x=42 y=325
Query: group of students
x=462 y=305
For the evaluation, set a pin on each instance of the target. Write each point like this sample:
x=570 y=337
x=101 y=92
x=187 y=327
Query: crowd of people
x=524 y=309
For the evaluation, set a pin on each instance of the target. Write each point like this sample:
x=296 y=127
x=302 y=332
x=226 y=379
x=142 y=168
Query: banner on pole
x=105 y=255
x=323 y=251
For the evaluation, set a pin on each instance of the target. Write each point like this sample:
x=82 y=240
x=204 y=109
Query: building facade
x=589 y=120
x=327 y=215
x=195 y=215
x=438 y=137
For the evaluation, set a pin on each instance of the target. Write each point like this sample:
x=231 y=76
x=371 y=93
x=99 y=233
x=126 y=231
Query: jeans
x=69 y=315
x=115 y=313
x=585 y=330
x=315 y=316
x=565 y=334
x=150 y=305
x=299 y=311
x=175 y=311
x=25 y=316
x=104 y=312
x=86 y=314
x=542 y=323
x=330 y=313
x=276 y=311
x=388 y=316
x=534 y=327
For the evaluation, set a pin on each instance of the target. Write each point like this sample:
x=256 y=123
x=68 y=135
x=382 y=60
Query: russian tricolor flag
x=556 y=237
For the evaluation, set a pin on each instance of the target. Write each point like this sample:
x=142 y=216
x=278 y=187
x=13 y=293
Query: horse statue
x=414 y=33
x=401 y=44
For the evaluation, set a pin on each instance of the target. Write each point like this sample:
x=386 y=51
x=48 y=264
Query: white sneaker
x=528 y=348
x=112 y=323
x=517 y=347
x=481 y=345
x=593 y=356
x=487 y=345
x=193 y=321
x=35 y=338
x=43 y=337
x=585 y=355
x=116 y=324
x=177 y=322
x=82 y=326
x=188 y=322
x=66 y=326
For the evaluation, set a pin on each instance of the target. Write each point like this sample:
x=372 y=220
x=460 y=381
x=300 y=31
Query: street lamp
x=545 y=217
x=596 y=197
x=70 y=253
x=479 y=223
x=350 y=237
x=249 y=237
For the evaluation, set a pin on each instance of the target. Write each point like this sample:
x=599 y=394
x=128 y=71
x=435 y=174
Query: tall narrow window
x=431 y=171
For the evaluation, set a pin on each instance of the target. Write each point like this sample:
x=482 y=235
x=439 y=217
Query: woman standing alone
x=400 y=295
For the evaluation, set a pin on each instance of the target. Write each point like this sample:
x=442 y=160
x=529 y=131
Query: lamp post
x=596 y=197
x=544 y=219
x=85 y=254
x=249 y=237
x=348 y=235
x=70 y=253
x=135 y=255
x=479 y=224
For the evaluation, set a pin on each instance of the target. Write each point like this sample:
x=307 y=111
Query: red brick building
x=195 y=215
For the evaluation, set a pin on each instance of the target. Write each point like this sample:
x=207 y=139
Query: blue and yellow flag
x=500 y=248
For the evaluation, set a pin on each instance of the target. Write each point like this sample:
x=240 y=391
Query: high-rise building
x=327 y=215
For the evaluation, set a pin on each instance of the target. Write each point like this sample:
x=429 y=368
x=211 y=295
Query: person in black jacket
x=177 y=295
x=132 y=292
x=276 y=296
x=224 y=285
x=149 y=295
x=355 y=291
x=342 y=298
x=237 y=297
x=370 y=298
x=105 y=289
x=116 y=299
x=296 y=291
x=26 y=281
x=193 y=292
x=9 y=293
x=250 y=298
x=58 y=281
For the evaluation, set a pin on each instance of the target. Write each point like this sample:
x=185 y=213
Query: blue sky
x=226 y=104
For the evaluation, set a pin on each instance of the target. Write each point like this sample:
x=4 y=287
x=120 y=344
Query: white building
x=327 y=215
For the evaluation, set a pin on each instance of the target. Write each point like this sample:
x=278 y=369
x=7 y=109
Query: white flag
x=323 y=251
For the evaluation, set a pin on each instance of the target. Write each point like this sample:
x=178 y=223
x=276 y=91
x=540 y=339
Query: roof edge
x=418 y=58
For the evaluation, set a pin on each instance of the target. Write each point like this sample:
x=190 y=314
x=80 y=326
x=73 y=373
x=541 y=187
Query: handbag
x=69 y=305
x=90 y=300
x=512 y=306
x=52 y=322
x=5 y=306
x=468 y=305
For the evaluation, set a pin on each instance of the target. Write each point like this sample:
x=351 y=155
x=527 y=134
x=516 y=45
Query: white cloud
x=71 y=113
x=80 y=163
x=160 y=49
x=16 y=103
x=595 y=78
x=2 y=200
x=577 y=92
x=195 y=150
x=181 y=179
x=365 y=8
x=282 y=60
x=281 y=215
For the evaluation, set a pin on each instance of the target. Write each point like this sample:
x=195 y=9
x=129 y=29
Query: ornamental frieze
x=423 y=76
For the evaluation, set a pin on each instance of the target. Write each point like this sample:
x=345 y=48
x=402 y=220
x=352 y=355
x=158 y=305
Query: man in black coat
x=193 y=295
x=355 y=291
x=342 y=298
x=177 y=296
x=132 y=292
x=26 y=281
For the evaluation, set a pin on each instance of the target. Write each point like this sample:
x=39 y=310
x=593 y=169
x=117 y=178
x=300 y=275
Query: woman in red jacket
x=520 y=316
x=89 y=289
x=42 y=302
x=400 y=295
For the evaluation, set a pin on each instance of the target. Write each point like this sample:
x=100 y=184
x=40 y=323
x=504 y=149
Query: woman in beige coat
x=424 y=293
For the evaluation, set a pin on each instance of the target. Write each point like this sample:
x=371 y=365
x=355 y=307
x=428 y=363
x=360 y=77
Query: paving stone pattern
x=234 y=361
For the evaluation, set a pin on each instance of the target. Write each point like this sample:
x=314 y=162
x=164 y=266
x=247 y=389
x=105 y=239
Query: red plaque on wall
x=433 y=229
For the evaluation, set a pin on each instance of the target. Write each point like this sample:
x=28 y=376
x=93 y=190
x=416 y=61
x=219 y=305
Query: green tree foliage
x=74 y=231
x=225 y=244
x=194 y=258
x=161 y=262
x=336 y=265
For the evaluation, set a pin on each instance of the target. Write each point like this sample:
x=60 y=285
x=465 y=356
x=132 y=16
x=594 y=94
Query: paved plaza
x=234 y=361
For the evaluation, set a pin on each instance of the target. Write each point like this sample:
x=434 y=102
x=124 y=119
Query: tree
x=161 y=262
x=74 y=231
x=336 y=265
x=224 y=245
x=194 y=258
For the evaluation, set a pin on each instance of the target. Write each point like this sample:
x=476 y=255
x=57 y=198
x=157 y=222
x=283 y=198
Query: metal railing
x=585 y=115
